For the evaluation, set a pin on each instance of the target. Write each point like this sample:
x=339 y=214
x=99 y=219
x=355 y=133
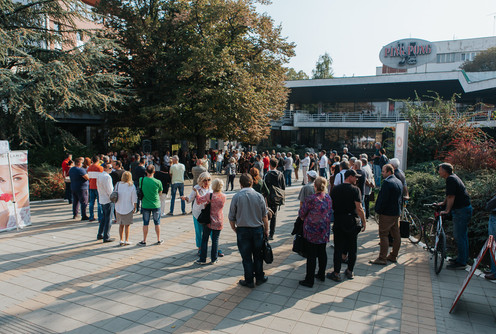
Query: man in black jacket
x=388 y=207
x=274 y=180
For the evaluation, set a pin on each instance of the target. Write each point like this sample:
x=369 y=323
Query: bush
x=425 y=187
x=46 y=182
x=473 y=156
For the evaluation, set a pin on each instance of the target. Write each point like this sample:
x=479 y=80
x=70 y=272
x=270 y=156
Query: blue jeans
x=377 y=175
x=287 y=176
x=79 y=196
x=461 y=218
x=207 y=232
x=492 y=231
x=198 y=232
x=94 y=197
x=147 y=213
x=104 y=227
x=250 y=241
x=219 y=166
x=174 y=188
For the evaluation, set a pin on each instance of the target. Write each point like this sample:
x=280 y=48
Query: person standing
x=305 y=163
x=457 y=203
x=248 y=219
x=177 y=184
x=197 y=170
x=65 y=173
x=139 y=172
x=323 y=162
x=231 y=173
x=296 y=166
x=125 y=206
x=166 y=161
x=152 y=188
x=79 y=187
x=388 y=207
x=275 y=182
x=347 y=205
x=93 y=171
x=266 y=162
x=316 y=214
x=491 y=207
x=219 y=162
x=288 y=169
x=164 y=178
x=308 y=189
x=258 y=164
x=376 y=165
x=105 y=188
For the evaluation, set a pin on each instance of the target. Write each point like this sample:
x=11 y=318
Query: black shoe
x=220 y=253
x=242 y=282
x=456 y=266
x=262 y=280
x=348 y=274
x=99 y=238
x=271 y=237
x=75 y=217
x=109 y=240
x=307 y=284
x=85 y=218
x=333 y=276
x=320 y=277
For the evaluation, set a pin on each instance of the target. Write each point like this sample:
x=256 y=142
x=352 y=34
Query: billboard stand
x=4 y=149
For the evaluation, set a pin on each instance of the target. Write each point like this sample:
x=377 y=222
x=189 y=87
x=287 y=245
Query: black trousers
x=272 y=224
x=314 y=252
x=344 y=242
x=367 y=204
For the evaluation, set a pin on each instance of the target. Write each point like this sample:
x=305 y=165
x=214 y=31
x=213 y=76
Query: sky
x=354 y=31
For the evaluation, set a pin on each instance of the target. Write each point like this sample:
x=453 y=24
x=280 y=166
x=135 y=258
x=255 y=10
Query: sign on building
x=408 y=53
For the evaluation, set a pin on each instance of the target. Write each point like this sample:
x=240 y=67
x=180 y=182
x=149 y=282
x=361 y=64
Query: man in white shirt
x=167 y=161
x=105 y=188
x=344 y=165
x=220 y=159
x=323 y=164
x=177 y=183
x=304 y=167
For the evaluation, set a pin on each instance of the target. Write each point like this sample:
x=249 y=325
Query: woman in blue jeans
x=217 y=200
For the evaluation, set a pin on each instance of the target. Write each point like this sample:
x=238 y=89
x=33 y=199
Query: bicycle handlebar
x=434 y=206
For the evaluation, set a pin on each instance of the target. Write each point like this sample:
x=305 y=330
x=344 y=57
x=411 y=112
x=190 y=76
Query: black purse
x=267 y=254
x=139 y=191
x=204 y=217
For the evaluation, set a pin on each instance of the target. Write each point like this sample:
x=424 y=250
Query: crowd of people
x=335 y=197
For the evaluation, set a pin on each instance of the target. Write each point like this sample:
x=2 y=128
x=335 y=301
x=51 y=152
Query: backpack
x=276 y=192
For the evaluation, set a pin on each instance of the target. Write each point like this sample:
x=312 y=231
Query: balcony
x=292 y=120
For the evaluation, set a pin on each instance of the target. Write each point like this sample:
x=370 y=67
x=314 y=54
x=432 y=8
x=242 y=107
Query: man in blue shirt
x=79 y=187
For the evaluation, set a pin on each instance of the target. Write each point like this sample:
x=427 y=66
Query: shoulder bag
x=139 y=191
x=204 y=217
x=114 y=195
x=267 y=254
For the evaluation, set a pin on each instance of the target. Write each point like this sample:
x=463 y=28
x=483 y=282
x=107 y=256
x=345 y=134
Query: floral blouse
x=316 y=215
x=216 y=209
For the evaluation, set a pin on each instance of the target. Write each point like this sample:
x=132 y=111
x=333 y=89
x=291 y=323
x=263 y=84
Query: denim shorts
x=147 y=213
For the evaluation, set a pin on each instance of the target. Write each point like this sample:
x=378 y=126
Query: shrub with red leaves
x=471 y=155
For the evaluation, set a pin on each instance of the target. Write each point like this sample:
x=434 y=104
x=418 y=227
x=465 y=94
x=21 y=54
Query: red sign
x=490 y=244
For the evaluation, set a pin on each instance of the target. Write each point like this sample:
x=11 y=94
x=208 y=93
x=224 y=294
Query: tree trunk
x=201 y=144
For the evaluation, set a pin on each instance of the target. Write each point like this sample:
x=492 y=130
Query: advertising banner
x=19 y=167
x=401 y=143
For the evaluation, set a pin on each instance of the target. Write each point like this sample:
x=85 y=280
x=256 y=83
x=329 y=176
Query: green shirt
x=151 y=187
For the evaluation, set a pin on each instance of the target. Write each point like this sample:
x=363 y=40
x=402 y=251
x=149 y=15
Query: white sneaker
x=127 y=243
x=122 y=243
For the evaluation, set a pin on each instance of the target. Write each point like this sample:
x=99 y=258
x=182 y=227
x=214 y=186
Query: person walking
x=152 y=188
x=316 y=214
x=248 y=219
x=125 y=206
x=201 y=189
x=217 y=201
x=105 y=188
x=388 y=207
x=457 y=202
x=177 y=184
x=276 y=184
x=347 y=205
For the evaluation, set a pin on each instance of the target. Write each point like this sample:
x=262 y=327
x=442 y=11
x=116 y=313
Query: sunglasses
x=206 y=180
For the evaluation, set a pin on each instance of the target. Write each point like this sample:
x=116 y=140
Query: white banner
x=401 y=143
x=19 y=164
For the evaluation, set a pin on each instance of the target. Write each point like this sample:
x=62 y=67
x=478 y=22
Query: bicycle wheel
x=429 y=234
x=440 y=253
x=415 y=229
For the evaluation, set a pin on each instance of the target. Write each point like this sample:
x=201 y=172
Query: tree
x=323 y=69
x=291 y=74
x=203 y=69
x=436 y=127
x=40 y=80
x=483 y=62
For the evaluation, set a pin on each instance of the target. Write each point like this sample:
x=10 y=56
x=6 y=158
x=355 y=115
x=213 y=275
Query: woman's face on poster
x=21 y=183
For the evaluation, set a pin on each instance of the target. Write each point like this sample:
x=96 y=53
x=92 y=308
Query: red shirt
x=65 y=168
x=93 y=171
x=266 y=162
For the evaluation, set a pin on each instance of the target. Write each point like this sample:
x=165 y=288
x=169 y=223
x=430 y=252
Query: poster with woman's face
x=19 y=166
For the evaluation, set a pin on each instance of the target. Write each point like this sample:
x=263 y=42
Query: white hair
x=395 y=162
x=358 y=163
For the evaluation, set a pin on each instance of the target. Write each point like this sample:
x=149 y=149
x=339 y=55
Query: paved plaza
x=55 y=277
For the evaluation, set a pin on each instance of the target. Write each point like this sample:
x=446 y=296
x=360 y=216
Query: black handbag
x=204 y=217
x=267 y=254
x=300 y=245
x=404 y=229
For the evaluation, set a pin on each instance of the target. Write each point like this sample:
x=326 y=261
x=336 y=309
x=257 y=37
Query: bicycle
x=435 y=238
x=415 y=227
